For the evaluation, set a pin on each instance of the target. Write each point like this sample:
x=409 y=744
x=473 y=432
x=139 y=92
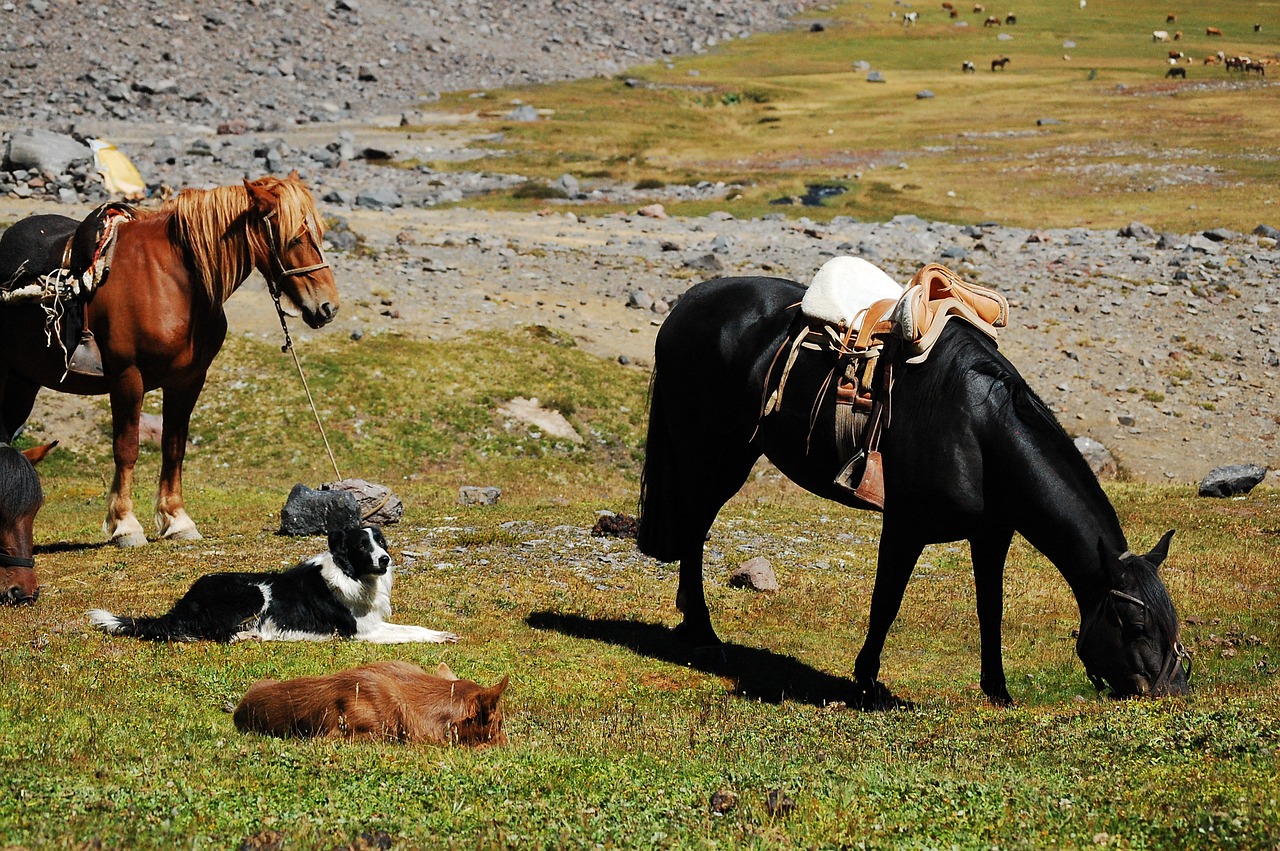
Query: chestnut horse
x=158 y=318
x=20 y=499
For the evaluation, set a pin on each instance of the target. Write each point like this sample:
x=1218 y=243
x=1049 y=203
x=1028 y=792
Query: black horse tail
x=659 y=532
x=163 y=628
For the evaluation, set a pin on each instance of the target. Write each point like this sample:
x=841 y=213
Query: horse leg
x=703 y=501
x=989 y=552
x=17 y=398
x=172 y=521
x=899 y=551
x=121 y=526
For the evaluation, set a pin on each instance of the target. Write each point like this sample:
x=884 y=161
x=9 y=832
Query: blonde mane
x=220 y=239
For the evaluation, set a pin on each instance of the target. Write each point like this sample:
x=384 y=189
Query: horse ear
x=293 y=175
x=445 y=673
x=260 y=198
x=1161 y=550
x=493 y=692
x=36 y=453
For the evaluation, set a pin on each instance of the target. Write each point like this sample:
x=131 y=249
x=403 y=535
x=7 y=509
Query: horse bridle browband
x=7 y=560
x=1179 y=654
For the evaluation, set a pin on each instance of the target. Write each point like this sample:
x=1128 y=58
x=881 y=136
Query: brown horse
x=20 y=499
x=158 y=318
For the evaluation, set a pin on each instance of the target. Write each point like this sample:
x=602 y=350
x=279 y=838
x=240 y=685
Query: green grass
x=617 y=738
x=777 y=112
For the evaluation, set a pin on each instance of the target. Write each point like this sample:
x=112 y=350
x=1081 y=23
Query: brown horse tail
x=659 y=532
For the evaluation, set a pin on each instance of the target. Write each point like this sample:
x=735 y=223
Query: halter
x=279 y=271
x=7 y=560
x=1180 y=653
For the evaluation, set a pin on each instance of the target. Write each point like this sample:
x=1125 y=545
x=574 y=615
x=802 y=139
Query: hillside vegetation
x=1081 y=128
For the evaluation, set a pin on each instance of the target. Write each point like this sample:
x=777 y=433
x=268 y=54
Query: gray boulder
x=378 y=503
x=1099 y=458
x=1267 y=230
x=44 y=151
x=1232 y=479
x=1138 y=230
x=379 y=198
x=313 y=512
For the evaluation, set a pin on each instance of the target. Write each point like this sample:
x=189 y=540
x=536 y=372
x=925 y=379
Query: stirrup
x=86 y=359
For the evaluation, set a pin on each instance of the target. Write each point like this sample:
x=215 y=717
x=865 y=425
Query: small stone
x=477 y=495
x=652 y=211
x=723 y=800
x=756 y=574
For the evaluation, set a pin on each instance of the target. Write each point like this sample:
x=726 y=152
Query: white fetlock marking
x=127 y=531
x=177 y=527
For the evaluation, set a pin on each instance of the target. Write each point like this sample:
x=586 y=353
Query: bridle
x=1179 y=654
x=279 y=271
x=7 y=560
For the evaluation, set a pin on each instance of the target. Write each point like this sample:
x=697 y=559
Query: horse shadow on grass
x=69 y=547
x=757 y=674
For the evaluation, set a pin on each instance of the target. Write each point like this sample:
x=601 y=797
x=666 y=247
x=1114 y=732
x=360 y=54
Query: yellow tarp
x=119 y=175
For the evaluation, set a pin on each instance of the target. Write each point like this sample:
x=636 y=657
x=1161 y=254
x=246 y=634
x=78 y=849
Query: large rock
x=1232 y=479
x=378 y=503
x=44 y=151
x=477 y=495
x=1099 y=458
x=313 y=512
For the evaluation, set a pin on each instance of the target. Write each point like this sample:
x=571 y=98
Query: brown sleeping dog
x=390 y=701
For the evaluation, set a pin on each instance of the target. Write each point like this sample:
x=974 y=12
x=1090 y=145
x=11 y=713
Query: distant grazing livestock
x=1177 y=36
x=949 y=6
x=954 y=13
x=1159 y=35
x=1212 y=31
x=1237 y=63
x=968 y=67
x=1256 y=67
x=1257 y=28
x=991 y=21
x=978 y=9
x=1211 y=60
x=1175 y=55
x=910 y=18
x=1010 y=18
x=998 y=64
x=1170 y=18
x=1176 y=71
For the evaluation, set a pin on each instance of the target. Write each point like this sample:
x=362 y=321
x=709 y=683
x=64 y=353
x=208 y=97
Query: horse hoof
x=876 y=697
x=133 y=539
x=188 y=534
x=699 y=638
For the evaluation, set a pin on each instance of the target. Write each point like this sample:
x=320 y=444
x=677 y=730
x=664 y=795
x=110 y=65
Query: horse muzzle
x=17 y=595
x=321 y=315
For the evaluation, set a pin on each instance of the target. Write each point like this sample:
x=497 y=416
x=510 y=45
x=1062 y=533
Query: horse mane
x=975 y=352
x=212 y=228
x=20 y=490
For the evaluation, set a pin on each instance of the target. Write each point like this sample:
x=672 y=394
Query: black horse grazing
x=969 y=452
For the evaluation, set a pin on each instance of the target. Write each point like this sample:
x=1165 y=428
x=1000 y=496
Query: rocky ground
x=1160 y=346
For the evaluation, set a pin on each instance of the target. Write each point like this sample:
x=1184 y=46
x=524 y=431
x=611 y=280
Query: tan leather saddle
x=867 y=353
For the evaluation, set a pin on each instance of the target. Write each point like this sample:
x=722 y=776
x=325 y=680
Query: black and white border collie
x=345 y=593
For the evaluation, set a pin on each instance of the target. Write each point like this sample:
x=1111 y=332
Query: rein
x=273 y=287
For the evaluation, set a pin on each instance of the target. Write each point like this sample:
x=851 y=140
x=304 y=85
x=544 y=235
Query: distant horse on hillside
x=969 y=452
x=158 y=317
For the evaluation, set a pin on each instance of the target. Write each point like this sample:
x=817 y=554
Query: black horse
x=969 y=452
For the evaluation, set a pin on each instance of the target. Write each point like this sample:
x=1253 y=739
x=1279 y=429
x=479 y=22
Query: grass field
x=779 y=112
x=618 y=738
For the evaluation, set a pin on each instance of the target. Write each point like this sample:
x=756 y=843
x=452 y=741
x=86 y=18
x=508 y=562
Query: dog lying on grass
x=344 y=593
x=385 y=701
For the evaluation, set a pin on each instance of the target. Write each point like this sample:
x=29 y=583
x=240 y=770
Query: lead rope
x=274 y=289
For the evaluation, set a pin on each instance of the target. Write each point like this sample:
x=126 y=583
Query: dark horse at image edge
x=970 y=452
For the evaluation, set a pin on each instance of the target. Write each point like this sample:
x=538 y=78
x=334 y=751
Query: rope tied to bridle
x=278 y=272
